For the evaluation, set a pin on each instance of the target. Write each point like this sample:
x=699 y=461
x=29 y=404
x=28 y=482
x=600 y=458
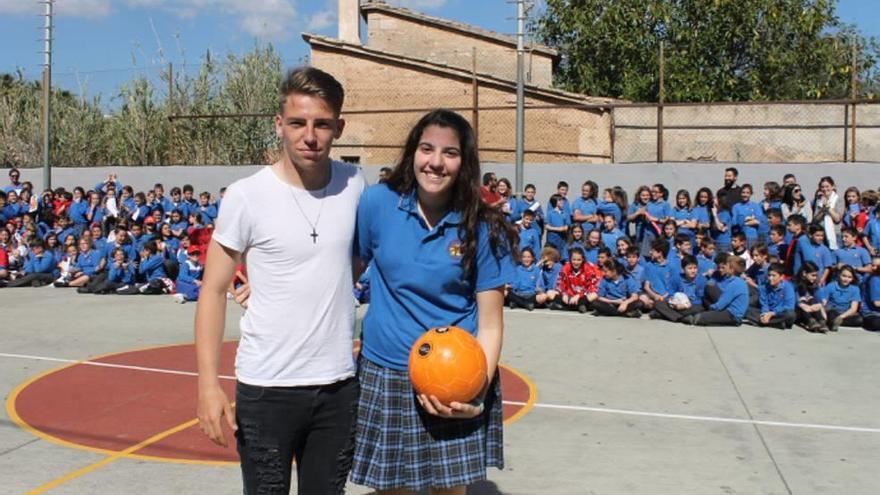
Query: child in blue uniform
x=550 y=268
x=610 y=232
x=529 y=236
x=189 y=278
x=841 y=299
x=852 y=254
x=557 y=223
x=732 y=302
x=691 y=285
x=527 y=283
x=777 y=301
x=618 y=294
x=659 y=274
x=809 y=312
x=439 y=257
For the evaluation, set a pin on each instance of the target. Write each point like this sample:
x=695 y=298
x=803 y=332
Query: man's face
x=729 y=178
x=307 y=128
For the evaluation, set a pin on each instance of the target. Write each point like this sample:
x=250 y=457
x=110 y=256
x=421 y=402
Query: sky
x=101 y=44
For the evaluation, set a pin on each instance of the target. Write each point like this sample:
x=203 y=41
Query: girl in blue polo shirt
x=439 y=257
x=871 y=298
x=575 y=240
x=683 y=214
x=841 y=299
x=527 y=283
x=557 y=223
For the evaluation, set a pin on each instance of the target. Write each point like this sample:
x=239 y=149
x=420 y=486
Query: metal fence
x=734 y=132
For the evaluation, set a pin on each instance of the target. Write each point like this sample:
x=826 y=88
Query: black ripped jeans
x=313 y=425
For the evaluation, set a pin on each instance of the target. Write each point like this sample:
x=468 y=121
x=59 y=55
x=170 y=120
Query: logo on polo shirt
x=454 y=249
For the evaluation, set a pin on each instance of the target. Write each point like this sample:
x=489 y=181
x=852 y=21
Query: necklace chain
x=313 y=225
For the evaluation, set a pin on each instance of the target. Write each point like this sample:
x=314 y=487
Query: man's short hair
x=487 y=178
x=313 y=82
x=732 y=170
x=688 y=260
x=561 y=183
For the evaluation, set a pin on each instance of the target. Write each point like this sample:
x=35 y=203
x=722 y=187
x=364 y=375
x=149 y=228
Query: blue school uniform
x=591 y=254
x=527 y=280
x=693 y=288
x=102 y=186
x=209 y=213
x=659 y=209
x=77 y=212
x=702 y=214
x=684 y=214
x=153 y=268
x=853 y=209
x=186 y=278
x=418 y=269
x=660 y=277
x=550 y=276
x=823 y=257
x=636 y=273
x=62 y=234
x=609 y=239
x=855 y=256
x=835 y=296
x=566 y=250
x=759 y=273
x=606 y=208
x=734 y=297
x=586 y=207
x=44 y=263
x=743 y=210
x=530 y=238
x=778 y=251
x=189 y=207
x=557 y=218
x=121 y=275
x=130 y=250
x=872 y=231
x=88 y=262
x=705 y=265
x=722 y=239
x=618 y=289
x=777 y=299
x=640 y=223
x=520 y=205
x=803 y=251
x=871 y=296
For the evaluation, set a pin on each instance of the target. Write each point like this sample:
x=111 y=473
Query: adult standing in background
x=828 y=211
x=731 y=193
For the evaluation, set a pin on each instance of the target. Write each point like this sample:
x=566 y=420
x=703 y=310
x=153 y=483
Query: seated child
x=550 y=269
x=688 y=291
x=732 y=297
x=122 y=272
x=634 y=266
x=578 y=282
x=618 y=295
x=189 y=279
x=777 y=247
x=659 y=275
x=809 y=312
x=777 y=300
x=610 y=232
x=841 y=299
x=527 y=284
x=739 y=246
x=706 y=258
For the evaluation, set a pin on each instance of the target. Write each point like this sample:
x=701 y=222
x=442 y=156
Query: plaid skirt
x=399 y=445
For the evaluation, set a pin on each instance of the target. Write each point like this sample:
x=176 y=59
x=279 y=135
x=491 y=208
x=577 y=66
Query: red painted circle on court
x=112 y=408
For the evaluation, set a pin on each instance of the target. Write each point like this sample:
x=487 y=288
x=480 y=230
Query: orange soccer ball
x=448 y=363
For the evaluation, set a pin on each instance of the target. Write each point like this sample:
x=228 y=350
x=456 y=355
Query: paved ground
x=623 y=406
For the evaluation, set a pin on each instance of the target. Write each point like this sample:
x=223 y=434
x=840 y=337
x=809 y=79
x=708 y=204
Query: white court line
x=712 y=419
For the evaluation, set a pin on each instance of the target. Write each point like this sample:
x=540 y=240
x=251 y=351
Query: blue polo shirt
x=705 y=265
x=568 y=248
x=586 y=207
x=759 y=273
x=855 y=256
x=777 y=299
x=803 y=251
x=778 y=251
x=556 y=218
x=621 y=288
x=684 y=214
x=550 y=276
x=530 y=238
x=871 y=293
x=659 y=209
x=823 y=257
x=521 y=204
x=872 y=231
x=661 y=277
x=609 y=239
x=693 y=288
x=528 y=280
x=734 y=297
x=417 y=280
x=834 y=296
x=88 y=262
x=606 y=208
x=722 y=238
x=703 y=214
x=743 y=210
x=636 y=273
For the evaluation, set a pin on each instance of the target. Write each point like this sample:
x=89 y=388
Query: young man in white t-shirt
x=293 y=224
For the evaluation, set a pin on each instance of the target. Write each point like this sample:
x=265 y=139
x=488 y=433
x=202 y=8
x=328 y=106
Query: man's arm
x=209 y=326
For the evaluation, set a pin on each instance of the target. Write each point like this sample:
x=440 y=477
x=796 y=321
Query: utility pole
x=520 y=93
x=47 y=90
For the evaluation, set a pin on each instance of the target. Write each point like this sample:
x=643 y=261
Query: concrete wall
x=689 y=176
x=745 y=145
x=413 y=39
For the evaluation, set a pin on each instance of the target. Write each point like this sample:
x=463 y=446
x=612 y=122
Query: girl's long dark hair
x=804 y=287
x=465 y=197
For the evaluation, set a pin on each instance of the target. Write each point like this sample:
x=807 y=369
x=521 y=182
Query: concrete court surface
x=623 y=406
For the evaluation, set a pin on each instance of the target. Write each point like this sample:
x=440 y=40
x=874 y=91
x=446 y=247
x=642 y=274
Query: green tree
x=716 y=50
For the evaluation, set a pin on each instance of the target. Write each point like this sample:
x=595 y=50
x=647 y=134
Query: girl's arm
x=853 y=309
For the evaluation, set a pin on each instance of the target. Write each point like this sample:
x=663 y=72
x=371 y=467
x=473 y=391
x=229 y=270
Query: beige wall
x=373 y=85
x=413 y=39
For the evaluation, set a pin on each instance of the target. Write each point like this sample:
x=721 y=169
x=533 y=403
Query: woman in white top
x=795 y=203
x=828 y=210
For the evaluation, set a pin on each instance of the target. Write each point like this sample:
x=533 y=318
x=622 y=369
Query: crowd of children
x=107 y=240
x=722 y=258
x=719 y=259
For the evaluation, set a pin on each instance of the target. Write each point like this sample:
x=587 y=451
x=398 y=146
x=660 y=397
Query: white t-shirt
x=299 y=325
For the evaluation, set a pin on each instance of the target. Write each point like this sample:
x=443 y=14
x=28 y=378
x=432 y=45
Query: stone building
x=413 y=62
